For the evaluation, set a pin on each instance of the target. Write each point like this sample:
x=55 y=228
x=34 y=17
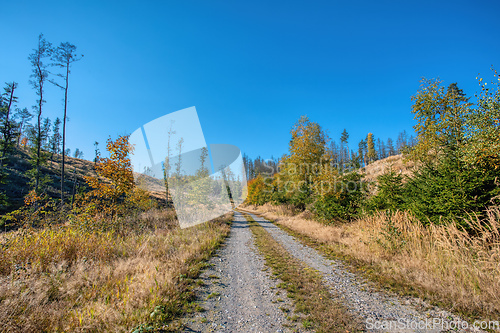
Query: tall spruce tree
x=8 y=126
x=55 y=139
x=390 y=147
x=22 y=116
x=39 y=76
x=63 y=57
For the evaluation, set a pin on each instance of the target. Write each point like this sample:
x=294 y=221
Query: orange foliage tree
x=113 y=189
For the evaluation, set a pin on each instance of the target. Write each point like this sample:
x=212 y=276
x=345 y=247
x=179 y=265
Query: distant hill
x=16 y=182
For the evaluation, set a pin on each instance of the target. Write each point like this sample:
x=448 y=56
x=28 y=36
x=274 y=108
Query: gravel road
x=407 y=314
x=239 y=295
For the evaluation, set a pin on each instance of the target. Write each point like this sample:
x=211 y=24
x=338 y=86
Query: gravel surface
x=239 y=295
x=372 y=305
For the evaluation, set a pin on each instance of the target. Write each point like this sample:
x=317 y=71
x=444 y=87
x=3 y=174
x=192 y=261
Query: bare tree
x=64 y=56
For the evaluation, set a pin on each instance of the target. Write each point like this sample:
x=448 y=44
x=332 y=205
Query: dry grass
x=394 y=163
x=440 y=263
x=62 y=278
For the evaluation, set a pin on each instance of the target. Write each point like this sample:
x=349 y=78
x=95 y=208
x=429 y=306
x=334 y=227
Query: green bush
x=390 y=193
x=450 y=189
x=343 y=204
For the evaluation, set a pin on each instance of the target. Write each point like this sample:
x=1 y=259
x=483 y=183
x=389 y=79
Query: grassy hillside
x=16 y=183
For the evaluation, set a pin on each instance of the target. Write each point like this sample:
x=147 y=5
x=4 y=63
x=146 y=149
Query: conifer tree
x=96 y=152
x=344 y=148
x=8 y=126
x=55 y=139
x=22 y=116
x=46 y=134
x=38 y=78
x=371 y=154
x=63 y=57
x=381 y=153
x=390 y=147
x=362 y=147
x=401 y=142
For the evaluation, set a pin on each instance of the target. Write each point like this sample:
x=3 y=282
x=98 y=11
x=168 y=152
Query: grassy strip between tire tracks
x=304 y=286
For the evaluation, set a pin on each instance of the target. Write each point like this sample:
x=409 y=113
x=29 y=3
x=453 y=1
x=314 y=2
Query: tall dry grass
x=443 y=263
x=63 y=278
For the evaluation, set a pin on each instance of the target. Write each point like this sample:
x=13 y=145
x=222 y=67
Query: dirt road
x=239 y=294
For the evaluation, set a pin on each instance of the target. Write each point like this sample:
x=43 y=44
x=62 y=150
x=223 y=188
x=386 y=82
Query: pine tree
x=362 y=148
x=8 y=126
x=401 y=142
x=63 y=57
x=96 y=152
x=381 y=153
x=344 y=148
x=55 y=139
x=390 y=147
x=38 y=79
x=46 y=134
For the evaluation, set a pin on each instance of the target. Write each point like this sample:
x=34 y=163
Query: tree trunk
x=64 y=132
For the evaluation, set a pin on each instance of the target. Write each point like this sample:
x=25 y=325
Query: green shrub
x=450 y=189
x=390 y=193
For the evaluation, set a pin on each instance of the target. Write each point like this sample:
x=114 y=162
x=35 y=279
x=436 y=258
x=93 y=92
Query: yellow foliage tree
x=306 y=158
x=113 y=189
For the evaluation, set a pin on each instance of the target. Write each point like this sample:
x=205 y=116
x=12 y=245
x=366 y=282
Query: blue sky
x=250 y=68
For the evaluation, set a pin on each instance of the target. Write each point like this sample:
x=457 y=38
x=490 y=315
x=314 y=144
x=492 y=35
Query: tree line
x=342 y=157
x=456 y=153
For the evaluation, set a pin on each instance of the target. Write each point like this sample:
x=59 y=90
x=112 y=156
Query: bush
x=450 y=189
x=345 y=202
x=390 y=193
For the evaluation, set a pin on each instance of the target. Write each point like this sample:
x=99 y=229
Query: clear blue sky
x=251 y=68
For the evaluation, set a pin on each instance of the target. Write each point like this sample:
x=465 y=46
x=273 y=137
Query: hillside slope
x=16 y=182
x=396 y=163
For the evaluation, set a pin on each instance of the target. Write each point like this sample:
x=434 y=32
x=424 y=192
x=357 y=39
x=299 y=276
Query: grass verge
x=65 y=279
x=441 y=264
x=304 y=286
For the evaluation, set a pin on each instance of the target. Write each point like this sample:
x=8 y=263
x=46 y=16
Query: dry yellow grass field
x=62 y=278
x=441 y=263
